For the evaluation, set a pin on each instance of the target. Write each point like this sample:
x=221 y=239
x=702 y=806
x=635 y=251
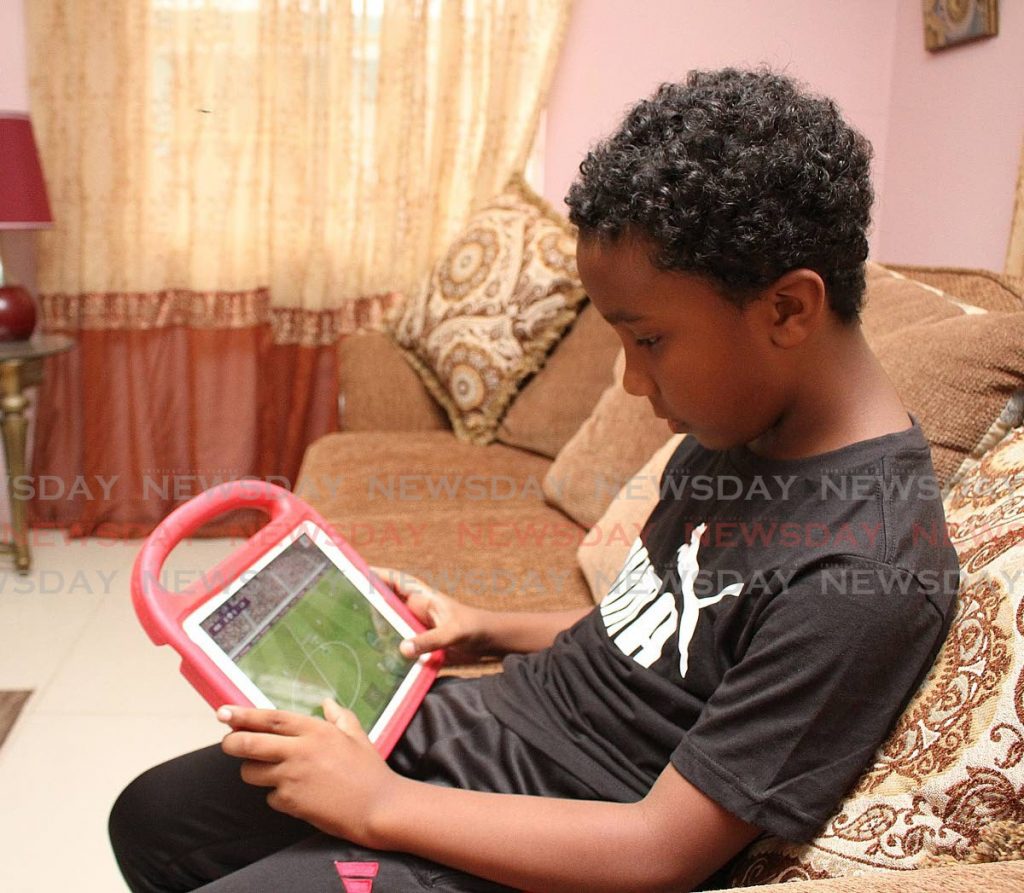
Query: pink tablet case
x=162 y=612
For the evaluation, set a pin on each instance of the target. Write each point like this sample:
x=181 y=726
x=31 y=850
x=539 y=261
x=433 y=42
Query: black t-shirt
x=770 y=624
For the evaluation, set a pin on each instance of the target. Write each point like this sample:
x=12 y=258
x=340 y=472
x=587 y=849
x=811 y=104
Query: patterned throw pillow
x=495 y=305
x=954 y=763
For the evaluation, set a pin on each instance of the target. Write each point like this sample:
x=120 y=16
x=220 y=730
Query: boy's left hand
x=323 y=771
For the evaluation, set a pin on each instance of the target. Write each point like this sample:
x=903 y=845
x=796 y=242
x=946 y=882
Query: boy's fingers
x=256 y=719
x=260 y=775
x=344 y=719
x=419 y=603
x=430 y=640
x=254 y=746
x=331 y=708
x=403 y=583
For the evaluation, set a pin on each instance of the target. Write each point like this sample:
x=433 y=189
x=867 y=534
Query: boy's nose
x=637 y=382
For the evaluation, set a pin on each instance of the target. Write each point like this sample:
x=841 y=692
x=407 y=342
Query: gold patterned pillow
x=954 y=763
x=495 y=305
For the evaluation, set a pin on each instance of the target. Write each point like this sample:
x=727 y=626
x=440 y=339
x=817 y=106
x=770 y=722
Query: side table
x=21 y=366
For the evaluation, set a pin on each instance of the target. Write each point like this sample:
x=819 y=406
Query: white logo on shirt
x=686 y=562
x=639 y=621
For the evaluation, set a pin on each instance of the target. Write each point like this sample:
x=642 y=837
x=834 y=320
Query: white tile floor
x=107 y=704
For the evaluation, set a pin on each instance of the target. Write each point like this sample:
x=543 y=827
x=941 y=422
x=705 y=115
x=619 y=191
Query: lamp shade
x=23 y=202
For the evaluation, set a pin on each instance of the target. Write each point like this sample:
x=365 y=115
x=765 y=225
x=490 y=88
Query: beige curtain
x=1015 y=253
x=322 y=150
x=238 y=184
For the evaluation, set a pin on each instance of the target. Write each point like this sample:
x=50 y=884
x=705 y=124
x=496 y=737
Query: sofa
x=533 y=505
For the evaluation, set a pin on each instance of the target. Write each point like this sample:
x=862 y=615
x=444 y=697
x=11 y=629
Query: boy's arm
x=671 y=840
x=522 y=632
x=328 y=774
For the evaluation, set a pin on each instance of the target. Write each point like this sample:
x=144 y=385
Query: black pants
x=193 y=824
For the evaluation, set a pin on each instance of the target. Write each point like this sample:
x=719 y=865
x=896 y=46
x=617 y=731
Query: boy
x=754 y=650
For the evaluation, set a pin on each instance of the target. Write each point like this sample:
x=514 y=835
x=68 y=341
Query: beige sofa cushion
x=603 y=551
x=961 y=376
x=620 y=435
x=379 y=391
x=982 y=288
x=467 y=519
x=496 y=303
x=556 y=401
x=957 y=375
x=892 y=302
x=954 y=763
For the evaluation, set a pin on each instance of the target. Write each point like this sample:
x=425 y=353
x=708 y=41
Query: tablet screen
x=300 y=628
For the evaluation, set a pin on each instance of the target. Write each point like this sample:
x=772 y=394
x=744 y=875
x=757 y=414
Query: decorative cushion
x=621 y=434
x=954 y=763
x=603 y=551
x=494 y=306
x=1011 y=417
x=556 y=401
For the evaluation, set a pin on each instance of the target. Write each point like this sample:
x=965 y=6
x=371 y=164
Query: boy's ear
x=797 y=305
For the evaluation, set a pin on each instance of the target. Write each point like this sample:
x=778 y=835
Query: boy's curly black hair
x=738 y=177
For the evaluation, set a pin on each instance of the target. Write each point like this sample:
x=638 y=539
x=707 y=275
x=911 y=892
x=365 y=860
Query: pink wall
x=947 y=127
x=956 y=127
x=869 y=57
x=13 y=65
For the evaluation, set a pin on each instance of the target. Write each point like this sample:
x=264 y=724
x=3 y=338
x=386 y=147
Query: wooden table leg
x=15 y=433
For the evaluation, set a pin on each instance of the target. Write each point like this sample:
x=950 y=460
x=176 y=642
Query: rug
x=11 y=703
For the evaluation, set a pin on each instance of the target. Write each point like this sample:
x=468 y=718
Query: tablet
x=293 y=617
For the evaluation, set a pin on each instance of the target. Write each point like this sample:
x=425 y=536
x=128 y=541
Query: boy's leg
x=191 y=820
x=310 y=867
x=455 y=741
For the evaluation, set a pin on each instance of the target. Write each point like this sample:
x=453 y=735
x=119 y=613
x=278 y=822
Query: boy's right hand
x=459 y=629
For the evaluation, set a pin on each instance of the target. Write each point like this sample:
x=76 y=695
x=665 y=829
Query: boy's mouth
x=675 y=425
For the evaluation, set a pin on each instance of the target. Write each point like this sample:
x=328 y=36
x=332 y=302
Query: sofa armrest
x=992 y=877
x=379 y=391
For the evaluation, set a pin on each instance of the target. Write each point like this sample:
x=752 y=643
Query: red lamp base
x=17 y=313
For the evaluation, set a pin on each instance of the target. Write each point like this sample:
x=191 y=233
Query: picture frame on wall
x=951 y=22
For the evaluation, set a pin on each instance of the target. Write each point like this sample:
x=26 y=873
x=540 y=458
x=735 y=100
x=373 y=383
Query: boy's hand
x=323 y=771
x=460 y=629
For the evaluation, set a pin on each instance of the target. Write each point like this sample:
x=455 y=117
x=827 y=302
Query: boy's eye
x=649 y=341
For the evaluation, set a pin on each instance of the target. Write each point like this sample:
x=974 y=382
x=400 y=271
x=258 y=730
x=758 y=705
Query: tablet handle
x=149 y=593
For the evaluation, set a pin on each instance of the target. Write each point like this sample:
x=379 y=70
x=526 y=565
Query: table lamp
x=23 y=205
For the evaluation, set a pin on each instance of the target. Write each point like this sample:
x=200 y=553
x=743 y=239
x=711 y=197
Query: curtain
x=1015 y=253
x=237 y=185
